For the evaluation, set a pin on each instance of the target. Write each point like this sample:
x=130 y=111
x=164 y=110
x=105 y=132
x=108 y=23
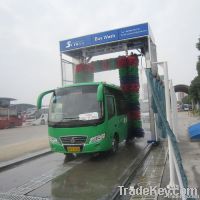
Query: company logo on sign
x=70 y=44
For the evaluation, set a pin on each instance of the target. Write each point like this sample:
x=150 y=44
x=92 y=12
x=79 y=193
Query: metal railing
x=175 y=161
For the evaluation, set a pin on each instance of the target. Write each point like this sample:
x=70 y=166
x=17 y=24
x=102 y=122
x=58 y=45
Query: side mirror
x=100 y=92
x=40 y=97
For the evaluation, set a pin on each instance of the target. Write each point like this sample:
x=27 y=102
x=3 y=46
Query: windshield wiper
x=70 y=117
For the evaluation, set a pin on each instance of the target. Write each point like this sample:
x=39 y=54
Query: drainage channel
x=148 y=175
x=19 y=197
x=128 y=174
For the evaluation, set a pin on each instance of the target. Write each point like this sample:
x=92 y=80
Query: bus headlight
x=53 y=140
x=97 y=138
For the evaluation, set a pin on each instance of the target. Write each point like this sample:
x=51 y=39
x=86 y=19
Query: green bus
x=86 y=118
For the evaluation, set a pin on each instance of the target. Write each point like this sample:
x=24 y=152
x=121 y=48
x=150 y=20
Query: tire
x=95 y=155
x=115 y=144
x=42 y=122
x=69 y=156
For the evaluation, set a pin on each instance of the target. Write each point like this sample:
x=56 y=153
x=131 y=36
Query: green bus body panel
x=108 y=127
x=89 y=131
x=100 y=93
x=115 y=125
x=40 y=97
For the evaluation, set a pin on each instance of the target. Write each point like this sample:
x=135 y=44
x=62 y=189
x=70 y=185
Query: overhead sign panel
x=105 y=37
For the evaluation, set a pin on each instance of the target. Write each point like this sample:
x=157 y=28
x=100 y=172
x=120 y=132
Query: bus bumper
x=104 y=145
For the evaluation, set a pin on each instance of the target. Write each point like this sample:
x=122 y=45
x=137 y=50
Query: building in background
x=23 y=107
x=181 y=95
x=9 y=117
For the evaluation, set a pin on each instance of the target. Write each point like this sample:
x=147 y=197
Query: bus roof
x=94 y=83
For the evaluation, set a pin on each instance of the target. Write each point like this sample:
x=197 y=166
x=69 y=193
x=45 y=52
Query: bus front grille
x=70 y=140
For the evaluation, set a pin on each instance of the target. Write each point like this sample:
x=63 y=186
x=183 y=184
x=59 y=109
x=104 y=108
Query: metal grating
x=4 y=196
x=150 y=173
x=37 y=182
x=19 y=193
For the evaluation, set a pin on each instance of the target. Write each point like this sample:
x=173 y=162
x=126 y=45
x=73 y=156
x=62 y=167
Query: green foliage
x=186 y=100
x=194 y=89
x=198 y=45
x=198 y=68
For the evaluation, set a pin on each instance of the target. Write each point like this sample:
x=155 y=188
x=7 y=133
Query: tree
x=198 y=45
x=186 y=100
x=198 y=67
x=194 y=89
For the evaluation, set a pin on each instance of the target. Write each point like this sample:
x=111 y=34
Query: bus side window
x=123 y=107
x=110 y=106
x=120 y=104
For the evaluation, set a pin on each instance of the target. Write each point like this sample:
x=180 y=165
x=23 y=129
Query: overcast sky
x=30 y=32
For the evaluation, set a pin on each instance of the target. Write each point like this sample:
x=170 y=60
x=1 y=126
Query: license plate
x=73 y=149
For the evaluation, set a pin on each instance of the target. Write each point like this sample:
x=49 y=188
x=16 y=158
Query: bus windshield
x=76 y=103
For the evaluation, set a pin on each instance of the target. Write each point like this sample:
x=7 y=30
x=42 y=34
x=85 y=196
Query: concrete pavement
x=190 y=150
x=21 y=141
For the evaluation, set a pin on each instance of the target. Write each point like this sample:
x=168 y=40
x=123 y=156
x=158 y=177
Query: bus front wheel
x=115 y=144
x=70 y=156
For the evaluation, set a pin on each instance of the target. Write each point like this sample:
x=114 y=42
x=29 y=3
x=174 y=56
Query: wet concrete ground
x=55 y=178
x=86 y=177
x=190 y=150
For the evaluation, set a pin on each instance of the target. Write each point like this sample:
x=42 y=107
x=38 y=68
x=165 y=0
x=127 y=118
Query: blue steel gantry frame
x=82 y=49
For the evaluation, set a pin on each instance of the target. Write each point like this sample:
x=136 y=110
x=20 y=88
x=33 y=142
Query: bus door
x=121 y=116
x=112 y=126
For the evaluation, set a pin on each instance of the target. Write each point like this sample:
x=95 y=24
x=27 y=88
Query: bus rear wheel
x=115 y=144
